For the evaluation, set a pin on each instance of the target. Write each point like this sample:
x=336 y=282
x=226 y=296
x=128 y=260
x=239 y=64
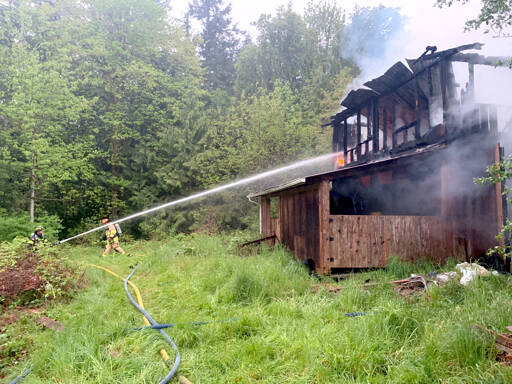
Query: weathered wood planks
x=368 y=241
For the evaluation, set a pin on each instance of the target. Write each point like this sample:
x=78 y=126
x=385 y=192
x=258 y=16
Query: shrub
x=12 y=226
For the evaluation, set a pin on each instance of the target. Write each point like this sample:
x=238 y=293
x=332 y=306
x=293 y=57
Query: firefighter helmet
x=104 y=221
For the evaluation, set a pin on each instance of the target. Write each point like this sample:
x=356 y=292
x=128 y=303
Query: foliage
x=495 y=16
x=500 y=173
x=48 y=273
x=11 y=252
x=12 y=226
x=220 y=41
x=109 y=107
x=271 y=328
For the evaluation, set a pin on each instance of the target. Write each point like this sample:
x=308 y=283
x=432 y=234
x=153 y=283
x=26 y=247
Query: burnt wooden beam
x=471 y=82
x=375 y=126
x=475 y=58
x=430 y=83
x=484 y=118
x=453 y=51
x=393 y=124
x=493 y=119
x=417 y=133
x=404 y=128
x=335 y=132
x=271 y=237
x=345 y=140
x=358 y=144
x=444 y=91
x=385 y=129
x=369 y=124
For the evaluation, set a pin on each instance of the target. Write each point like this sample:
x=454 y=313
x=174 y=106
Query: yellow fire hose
x=163 y=352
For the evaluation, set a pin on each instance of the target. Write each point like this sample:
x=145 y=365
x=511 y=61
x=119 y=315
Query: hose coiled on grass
x=177 y=359
x=21 y=376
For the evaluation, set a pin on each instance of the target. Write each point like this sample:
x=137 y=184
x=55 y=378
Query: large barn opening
x=408 y=190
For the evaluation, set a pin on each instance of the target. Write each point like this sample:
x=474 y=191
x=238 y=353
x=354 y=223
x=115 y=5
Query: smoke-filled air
x=271 y=191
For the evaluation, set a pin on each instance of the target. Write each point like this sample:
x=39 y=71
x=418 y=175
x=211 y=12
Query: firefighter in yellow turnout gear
x=36 y=238
x=112 y=237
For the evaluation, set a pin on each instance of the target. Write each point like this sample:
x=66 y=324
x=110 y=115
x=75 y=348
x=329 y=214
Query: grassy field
x=281 y=332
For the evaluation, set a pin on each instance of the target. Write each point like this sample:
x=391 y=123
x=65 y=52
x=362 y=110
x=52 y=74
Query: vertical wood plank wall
x=368 y=241
x=298 y=222
x=470 y=218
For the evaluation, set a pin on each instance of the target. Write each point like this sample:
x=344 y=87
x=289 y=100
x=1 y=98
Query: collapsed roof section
x=398 y=76
x=411 y=106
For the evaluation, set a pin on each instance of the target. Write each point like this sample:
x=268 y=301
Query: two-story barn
x=410 y=144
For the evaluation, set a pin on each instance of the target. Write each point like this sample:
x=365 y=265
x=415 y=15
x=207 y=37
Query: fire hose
x=147 y=316
x=148 y=320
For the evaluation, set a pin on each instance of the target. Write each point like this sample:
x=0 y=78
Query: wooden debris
x=184 y=380
x=337 y=288
x=502 y=343
x=50 y=323
x=412 y=285
x=271 y=240
x=330 y=287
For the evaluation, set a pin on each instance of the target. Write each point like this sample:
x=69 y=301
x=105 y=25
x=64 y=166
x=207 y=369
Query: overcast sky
x=426 y=25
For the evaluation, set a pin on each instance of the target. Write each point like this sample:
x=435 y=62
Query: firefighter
x=111 y=235
x=36 y=238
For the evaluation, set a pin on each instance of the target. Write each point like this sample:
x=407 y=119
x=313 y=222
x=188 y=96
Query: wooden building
x=410 y=143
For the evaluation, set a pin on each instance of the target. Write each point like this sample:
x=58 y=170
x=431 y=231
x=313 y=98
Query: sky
x=426 y=24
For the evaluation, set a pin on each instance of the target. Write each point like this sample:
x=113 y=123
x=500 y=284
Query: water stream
x=211 y=191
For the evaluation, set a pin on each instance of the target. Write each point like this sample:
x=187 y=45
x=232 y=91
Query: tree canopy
x=111 y=106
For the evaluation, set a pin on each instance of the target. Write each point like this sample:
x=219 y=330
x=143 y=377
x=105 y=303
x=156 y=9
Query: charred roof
x=397 y=78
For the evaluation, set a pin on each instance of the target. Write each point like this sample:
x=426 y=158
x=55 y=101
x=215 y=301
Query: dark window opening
x=413 y=190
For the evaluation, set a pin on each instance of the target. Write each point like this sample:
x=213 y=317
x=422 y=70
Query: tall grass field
x=269 y=327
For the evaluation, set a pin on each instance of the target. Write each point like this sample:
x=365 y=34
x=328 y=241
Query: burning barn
x=410 y=144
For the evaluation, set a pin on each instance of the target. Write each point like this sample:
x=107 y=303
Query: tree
x=220 y=41
x=495 y=15
x=501 y=173
x=37 y=104
x=286 y=51
x=144 y=77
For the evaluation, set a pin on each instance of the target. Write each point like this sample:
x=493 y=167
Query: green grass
x=285 y=333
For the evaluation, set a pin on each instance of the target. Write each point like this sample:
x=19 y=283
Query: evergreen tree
x=220 y=41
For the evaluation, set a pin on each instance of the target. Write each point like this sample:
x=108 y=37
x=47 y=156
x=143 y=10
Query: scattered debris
x=502 y=343
x=337 y=288
x=470 y=271
x=184 y=380
x=270 y=240
x=329 y=287
x=50 y=323
x=412 y=285
x=442 y=278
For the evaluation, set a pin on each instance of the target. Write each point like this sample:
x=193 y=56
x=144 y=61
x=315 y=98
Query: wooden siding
x=299 y=223
x=368 y=241
x=464 y=226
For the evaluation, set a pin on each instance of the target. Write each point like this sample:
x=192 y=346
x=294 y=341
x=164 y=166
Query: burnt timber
x=407 y=184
